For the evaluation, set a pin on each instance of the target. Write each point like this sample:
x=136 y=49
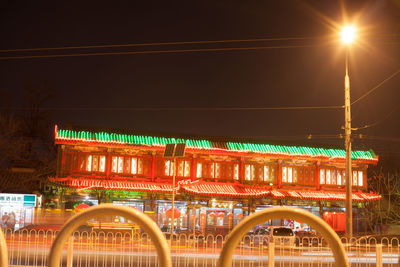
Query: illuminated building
x=217 y=182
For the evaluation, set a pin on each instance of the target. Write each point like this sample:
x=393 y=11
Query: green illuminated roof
x=104 y=137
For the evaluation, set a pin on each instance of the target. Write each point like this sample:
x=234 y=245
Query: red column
x=365 y=178
x=317 y=178
x=279 y=173
x=153 y=166
x=241 y=169
x=193 y=168
x=108 y=164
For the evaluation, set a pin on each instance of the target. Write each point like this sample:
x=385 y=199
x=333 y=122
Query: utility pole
x=348 y=35
x=348 y=172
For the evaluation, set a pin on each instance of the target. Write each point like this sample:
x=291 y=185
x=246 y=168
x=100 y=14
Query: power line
x=159 y=51
x=177 y=108
x=381 y=120
x=377 y=86
x=175 y=43
x=156 y=44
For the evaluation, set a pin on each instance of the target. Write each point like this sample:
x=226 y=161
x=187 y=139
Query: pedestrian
x=4 y=220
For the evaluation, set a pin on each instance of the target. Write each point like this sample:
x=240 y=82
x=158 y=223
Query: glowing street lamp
x=348 y=36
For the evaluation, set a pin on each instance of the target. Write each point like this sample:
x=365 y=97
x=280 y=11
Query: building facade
x=217 y=182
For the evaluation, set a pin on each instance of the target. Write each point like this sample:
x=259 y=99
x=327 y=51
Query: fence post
x=378 y=255
x=70 y=250
x=271 y=254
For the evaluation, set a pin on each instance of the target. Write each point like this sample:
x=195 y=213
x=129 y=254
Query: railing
x=31 y=248
x=124 y=248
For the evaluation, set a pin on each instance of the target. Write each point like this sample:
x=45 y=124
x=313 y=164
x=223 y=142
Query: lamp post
x=348 y=34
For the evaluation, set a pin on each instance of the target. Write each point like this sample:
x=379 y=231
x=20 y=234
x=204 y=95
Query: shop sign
x=25 y=200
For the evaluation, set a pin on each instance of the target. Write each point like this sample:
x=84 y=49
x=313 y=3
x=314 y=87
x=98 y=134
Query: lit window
x=333 y=177
x=290 y=175
x=114 y=164
x=120 y=164
x=199 y=170
x=95 y=163
x=328 y=176
x=168 y=170
x=187 y=169
x=127 y=165
x=82 y=163
x=141 y=169
x=236 y=171
x=134 y=166
x=212 y=170
x=294 y=174
x=344 y=177
x=266 y=173
x=272 y=174
x=102 y=164
x=181 y=165
x=322 y=176
x=354 y=177
x=247 y=172
x=89 y=163
x=217 y=170
x=360 y=178
x=339 y=177
x=284 y=174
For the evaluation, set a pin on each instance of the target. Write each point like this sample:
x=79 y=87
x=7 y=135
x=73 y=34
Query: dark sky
x=304 y=76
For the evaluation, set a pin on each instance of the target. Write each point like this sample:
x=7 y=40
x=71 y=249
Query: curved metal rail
x=3 y=250
x=225 y=259
x=164 y=256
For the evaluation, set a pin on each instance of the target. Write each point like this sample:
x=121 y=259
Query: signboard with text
x=21 y=200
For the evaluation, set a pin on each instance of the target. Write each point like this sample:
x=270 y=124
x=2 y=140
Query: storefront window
x=183 y=168
x=360 y=178
x=289 y=175
x=236 y=172
x=284 y=174
x=331 y=176
x=126 y=165
x=120 y=164
x=198 y=170
x=339 y=177
x=249 y=172
x=211 y=218
x=217 y=170
x=89 y=163
x=114 y=164
x=220 y=219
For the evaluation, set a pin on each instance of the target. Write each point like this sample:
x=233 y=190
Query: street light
x=348 y=35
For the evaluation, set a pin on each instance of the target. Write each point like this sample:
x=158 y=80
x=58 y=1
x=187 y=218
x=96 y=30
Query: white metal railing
x=149 y=226
x=333 y=240
x=126 y=248
x=31 y=248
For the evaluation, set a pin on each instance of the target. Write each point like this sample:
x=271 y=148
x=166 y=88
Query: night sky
x=155 y=92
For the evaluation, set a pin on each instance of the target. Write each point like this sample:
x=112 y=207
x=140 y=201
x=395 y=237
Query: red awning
x=216 y=189
x=324 y=195
x=114 y=185
x=225 y=189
